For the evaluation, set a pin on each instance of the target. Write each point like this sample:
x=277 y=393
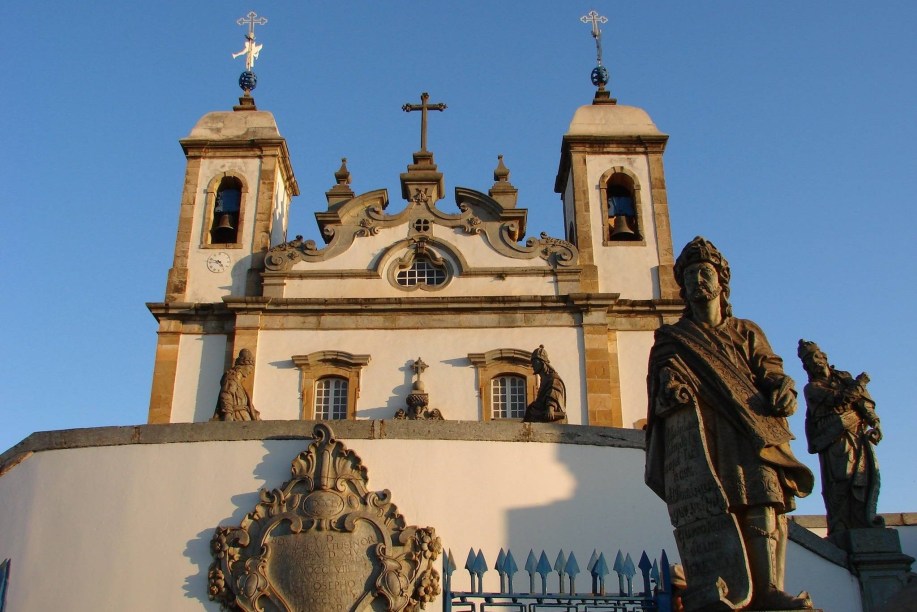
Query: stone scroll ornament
x=323 y=542
x=708 y=537
x=717 y=443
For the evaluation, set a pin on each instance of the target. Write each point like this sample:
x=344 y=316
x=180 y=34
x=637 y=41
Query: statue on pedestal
x=842 y=427
x=718 y=445
x=235 y=402
x=550 y=403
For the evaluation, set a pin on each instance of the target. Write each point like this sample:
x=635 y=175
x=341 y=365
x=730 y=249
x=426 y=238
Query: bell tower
x=234 y=206
x=612 y=185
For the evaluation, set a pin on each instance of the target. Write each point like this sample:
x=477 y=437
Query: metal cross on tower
x=252 y=19
x=423 y=107
x=250 y=50
x=596 y=19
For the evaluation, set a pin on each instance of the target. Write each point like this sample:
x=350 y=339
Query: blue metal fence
x=554 y=586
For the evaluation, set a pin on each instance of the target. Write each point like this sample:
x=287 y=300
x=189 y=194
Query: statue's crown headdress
x=698 y=250
x=806 y=348
x=540 y=354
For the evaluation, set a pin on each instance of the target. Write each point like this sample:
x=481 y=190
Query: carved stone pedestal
x=876 y=557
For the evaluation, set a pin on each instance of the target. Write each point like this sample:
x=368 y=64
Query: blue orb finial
x=600 y=76
x=248 y=81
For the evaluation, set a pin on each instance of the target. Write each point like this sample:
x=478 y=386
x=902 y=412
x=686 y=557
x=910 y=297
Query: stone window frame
x=604 y=182
x=327 y=364
x=210 y=203
x=502 y=362
x=419 y=247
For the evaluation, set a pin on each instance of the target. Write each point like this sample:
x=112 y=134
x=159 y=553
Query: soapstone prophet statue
x=842 y=427
x=235 y=402
x=718 y=444
x=549 y=405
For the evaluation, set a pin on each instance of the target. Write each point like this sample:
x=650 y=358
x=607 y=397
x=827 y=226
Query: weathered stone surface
x=549 y=405
x=323 y=541
x=234 y=402
x=842 y=427
x=718 y=444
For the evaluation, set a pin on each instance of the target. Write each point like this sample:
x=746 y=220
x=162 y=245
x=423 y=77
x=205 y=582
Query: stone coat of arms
x=322 y=541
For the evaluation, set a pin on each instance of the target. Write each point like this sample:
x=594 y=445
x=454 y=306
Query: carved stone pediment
x=323 y=541
x=502 y=225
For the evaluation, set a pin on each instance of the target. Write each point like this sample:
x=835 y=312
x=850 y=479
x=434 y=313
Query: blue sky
x=791 y=147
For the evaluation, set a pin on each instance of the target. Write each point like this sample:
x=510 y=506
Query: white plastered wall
x=197 y=380
x=450 y=379
x=366 y=252
x=128 y=527
x=134 y=531
x=280 y=209
x=204 y=285
x=625 y=268
x=832 y=587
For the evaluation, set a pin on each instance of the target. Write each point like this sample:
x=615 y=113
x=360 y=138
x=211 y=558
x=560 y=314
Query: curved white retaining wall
x=121 y=518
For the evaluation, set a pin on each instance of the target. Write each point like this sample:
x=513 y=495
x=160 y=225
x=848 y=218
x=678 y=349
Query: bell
x=621 y=229
x=225 y=223
x=224 y=231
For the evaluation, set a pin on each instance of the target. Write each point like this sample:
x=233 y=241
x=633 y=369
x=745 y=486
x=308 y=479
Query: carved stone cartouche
x=323 y=541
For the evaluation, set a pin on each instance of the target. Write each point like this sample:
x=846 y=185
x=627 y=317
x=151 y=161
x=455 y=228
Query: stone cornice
x=401 y=304
x=196 y=148
x=574 y=301
x=175 y=433
x=356 y=273
x=599 y=145
x=187 y=310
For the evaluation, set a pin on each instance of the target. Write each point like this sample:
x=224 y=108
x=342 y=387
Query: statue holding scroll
x=842 y=427
x=718 y=444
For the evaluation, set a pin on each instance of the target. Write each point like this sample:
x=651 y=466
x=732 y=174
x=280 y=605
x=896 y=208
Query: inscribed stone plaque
x=322 y=542
x=708 y=538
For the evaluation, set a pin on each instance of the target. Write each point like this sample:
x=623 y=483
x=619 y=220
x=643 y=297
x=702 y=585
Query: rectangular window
x=331 y=398
x=507 y=397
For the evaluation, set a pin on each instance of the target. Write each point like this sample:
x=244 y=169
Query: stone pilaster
x=164 y=372
x=603 y=381
x=177 y=282
x=668 y=288
x=245 y=336
x=261 y=232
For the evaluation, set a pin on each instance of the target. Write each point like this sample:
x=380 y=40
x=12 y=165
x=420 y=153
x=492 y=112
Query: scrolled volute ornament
x=283 y=256
x=560 y=252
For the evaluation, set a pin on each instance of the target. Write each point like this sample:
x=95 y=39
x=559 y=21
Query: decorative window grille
x=422 y=225
x=331 y=398
x=422 y=272
x=507 y=397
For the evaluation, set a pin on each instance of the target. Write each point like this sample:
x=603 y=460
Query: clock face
x=218 y=262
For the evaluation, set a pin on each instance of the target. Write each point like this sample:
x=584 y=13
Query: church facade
x=447 y=280
x=409 y=331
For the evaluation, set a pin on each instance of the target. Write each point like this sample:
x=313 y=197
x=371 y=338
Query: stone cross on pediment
x=423 y=107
